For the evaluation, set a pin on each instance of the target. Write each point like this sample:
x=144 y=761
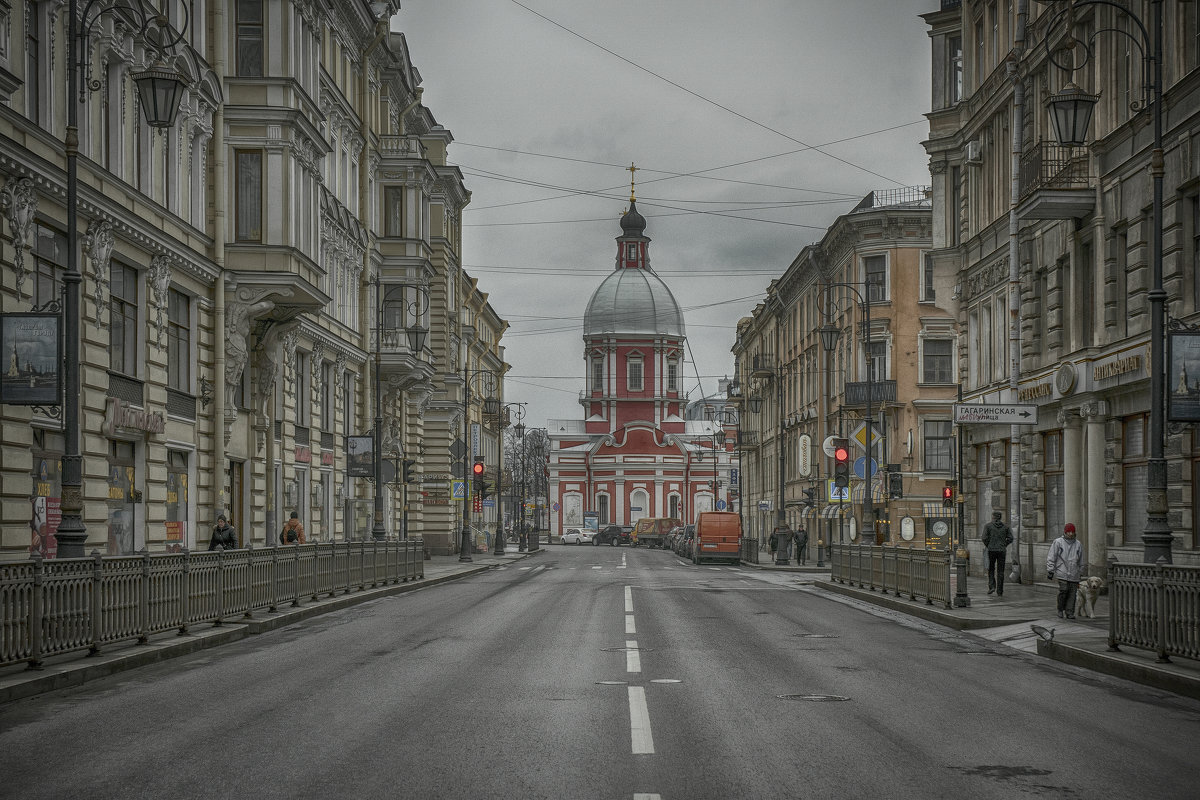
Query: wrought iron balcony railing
x=881 y=392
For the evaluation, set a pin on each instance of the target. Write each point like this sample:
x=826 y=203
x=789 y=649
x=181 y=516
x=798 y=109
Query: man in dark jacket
x=996 y=538
x=223 y=535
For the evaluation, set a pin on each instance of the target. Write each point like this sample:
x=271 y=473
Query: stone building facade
x=242 y=271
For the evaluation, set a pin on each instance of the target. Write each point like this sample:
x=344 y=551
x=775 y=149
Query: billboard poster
x=47 y=507
x=1183 y=376
x=360 y=456
x=31 y=366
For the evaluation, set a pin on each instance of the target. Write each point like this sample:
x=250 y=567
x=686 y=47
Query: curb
x=81 y=668
x=921 y=609
x=1123 y=665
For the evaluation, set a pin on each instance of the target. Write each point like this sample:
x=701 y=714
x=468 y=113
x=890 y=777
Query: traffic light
x=895 y=485
x=810 y=498
x=948 y=494
x=408 y=471
x=841 y=462
x=477 y=470
x=485 y=489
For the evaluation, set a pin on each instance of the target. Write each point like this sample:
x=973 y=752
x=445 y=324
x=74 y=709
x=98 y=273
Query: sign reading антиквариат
x=995 y=414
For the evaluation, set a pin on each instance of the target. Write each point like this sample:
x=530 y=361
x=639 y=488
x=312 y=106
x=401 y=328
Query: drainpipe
x=220 y=186
x=1014 y=297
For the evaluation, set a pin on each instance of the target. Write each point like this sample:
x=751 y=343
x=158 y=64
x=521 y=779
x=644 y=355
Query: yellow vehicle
x=650 y=531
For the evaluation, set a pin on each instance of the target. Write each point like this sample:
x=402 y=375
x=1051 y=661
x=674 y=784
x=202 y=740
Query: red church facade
x=633 y=455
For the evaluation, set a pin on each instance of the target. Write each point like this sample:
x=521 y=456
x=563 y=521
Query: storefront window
x=177 y=500
x=47 y=493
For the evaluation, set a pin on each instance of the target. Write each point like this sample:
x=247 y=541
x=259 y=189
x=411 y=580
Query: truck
x=718 y=537
x=651 y=531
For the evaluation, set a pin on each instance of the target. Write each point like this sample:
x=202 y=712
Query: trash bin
x=783 y=544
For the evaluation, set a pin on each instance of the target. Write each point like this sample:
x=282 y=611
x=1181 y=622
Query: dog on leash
x=1085 y=598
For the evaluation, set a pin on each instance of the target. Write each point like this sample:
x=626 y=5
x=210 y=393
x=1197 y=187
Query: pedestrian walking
x=996 y=538
x=223 y=535
x=293 y=531
x=801 y=537
x=1065 y=562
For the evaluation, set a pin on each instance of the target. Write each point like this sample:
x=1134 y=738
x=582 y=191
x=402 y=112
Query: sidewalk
x=1009 y=619
x=75 y=669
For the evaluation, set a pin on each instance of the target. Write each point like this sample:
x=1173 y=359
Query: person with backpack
x=223 y=535
x=293 y=531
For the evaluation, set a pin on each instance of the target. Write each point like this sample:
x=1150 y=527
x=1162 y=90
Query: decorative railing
x=748 y=550
x=1052 y=166
x=1154 y=607
x=901 y=570
x=880 y=391
x=50 y=607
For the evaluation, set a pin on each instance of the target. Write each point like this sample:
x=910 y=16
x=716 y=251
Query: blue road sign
x=720 y=505
x=859 y=466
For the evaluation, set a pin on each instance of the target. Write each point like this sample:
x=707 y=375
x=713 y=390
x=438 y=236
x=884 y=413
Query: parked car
x=614 y=535
x=683 y=541
x=577 y=536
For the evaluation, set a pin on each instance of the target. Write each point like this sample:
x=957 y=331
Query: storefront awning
x=833 y=510
x=936 y=511
x=877 y=493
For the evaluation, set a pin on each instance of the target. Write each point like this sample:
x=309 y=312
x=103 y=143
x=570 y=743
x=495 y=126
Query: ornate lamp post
x=1071 y=113
x=159 y=92
x=830 y=334
x=416 y=343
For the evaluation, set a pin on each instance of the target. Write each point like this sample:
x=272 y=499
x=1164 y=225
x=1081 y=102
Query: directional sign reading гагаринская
x=967 y=414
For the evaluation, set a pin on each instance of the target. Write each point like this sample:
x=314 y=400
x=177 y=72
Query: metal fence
x=1154 y=607
x=902 y=570
x=48 y=607
x=748 y=550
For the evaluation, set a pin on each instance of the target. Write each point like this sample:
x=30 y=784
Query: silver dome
x=633 y=301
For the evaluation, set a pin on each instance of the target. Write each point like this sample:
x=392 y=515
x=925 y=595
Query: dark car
x=614 y=535
x=683 y=541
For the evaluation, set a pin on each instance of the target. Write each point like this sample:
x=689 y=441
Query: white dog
x=1085 y=598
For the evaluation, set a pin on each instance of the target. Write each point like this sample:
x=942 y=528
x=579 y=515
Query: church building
x=633 y=454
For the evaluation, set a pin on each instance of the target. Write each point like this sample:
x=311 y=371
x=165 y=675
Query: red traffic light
x=947 y=493
x=477 y=468
x=841 y=454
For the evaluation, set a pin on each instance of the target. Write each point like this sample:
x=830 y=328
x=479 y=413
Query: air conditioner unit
x=975 y=152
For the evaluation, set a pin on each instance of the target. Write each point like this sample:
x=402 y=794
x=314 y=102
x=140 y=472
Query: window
x=249 y=38
x=122 y=319
x=1195 y=247
x=177 y=500
x=955 y=204
x=633 y=374
x=631 y=251
x=672 y=376
x=602 y=508
x=50 y=262
x=327 y=397
x=1086 y=298
x=979 y=54
x=937 y=449
x=393 y=198
x=1135 y=477
x=597 y=375
x=33 y=68
x=249 y=195
x=937 y=363
x=179 y=341
x=878 y=370
x=875 y=269
x=1055 y=488
x=954 y=81
x=928 y=294
x=303 y=396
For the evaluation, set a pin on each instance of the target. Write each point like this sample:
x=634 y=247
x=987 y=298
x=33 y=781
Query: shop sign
x=303 y=454
x=121 y=416
x=30 y=374
x=327 y=458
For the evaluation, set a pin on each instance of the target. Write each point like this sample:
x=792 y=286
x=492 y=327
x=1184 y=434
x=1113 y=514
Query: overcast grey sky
x=720 y=103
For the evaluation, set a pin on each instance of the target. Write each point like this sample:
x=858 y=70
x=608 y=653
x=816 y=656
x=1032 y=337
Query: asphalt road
x=590 y=672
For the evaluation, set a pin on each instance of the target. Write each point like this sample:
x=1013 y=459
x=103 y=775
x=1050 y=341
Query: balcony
x=1054 y=183
x=880 y=391
x=400 y=367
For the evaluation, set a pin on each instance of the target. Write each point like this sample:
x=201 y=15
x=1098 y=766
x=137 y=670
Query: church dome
x=633 y=301
x=633 y=223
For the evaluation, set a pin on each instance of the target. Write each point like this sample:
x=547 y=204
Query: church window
x=631 y=251
x=633 y=375
x=597 y=375
x=672 y=376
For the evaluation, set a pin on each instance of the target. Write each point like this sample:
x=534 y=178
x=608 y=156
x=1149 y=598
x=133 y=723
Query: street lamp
x=776 y=374
x=498 y=550
x=1071 y=112
x=416 y=343
x=830 y=334
x=159 y=90
x=490 y=406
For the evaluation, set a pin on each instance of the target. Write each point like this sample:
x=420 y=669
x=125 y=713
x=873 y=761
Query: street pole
x=378 y=533
x=961 y=598
x=464 y=547
x=868 y=501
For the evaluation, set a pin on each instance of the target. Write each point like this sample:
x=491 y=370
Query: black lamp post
x=416 y=343
x=490 y=406
x=159 y=92
x=830 y=334
x=1071 y=112
x=498 y=549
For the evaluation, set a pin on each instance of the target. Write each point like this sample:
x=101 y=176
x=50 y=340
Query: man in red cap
x=1065 y=562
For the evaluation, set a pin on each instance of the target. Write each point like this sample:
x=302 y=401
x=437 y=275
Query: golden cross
x=632 y=174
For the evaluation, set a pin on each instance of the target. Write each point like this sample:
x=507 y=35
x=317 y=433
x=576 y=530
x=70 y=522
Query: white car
x=577 y=536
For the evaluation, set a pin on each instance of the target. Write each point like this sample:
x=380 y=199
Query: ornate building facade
x=243 y=272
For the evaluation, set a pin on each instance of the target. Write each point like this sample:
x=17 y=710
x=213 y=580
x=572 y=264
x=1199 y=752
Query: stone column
x=1073 y=471
x=1095 y=538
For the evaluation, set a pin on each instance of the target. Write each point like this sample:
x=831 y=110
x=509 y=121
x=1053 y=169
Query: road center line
x=628 y=599
x=633 y=659
x=646 y=796
x=630 y=628
x=639 y=721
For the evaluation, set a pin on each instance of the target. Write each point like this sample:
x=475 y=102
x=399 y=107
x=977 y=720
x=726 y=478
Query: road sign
x=982 y=414
x=457 y=448
x=764 y=505
x=458 y=489
x=860 y=436
x=827 y=446
x=837 y=494
x=720 y=505
x=860 y=465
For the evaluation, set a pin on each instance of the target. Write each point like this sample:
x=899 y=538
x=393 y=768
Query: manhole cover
x=817 y=635
x=627 y=649
x=814 y=698
x=611 y=683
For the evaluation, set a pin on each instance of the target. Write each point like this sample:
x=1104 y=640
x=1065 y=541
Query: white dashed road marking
x=628 y=599
x=630 y=628
x=633 y=659
x=639 y=721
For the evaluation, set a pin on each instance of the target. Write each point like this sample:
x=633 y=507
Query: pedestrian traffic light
x=895 y=485
x=810 y=498
x=408 y=471
x=841 y=462
x=948 y=494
